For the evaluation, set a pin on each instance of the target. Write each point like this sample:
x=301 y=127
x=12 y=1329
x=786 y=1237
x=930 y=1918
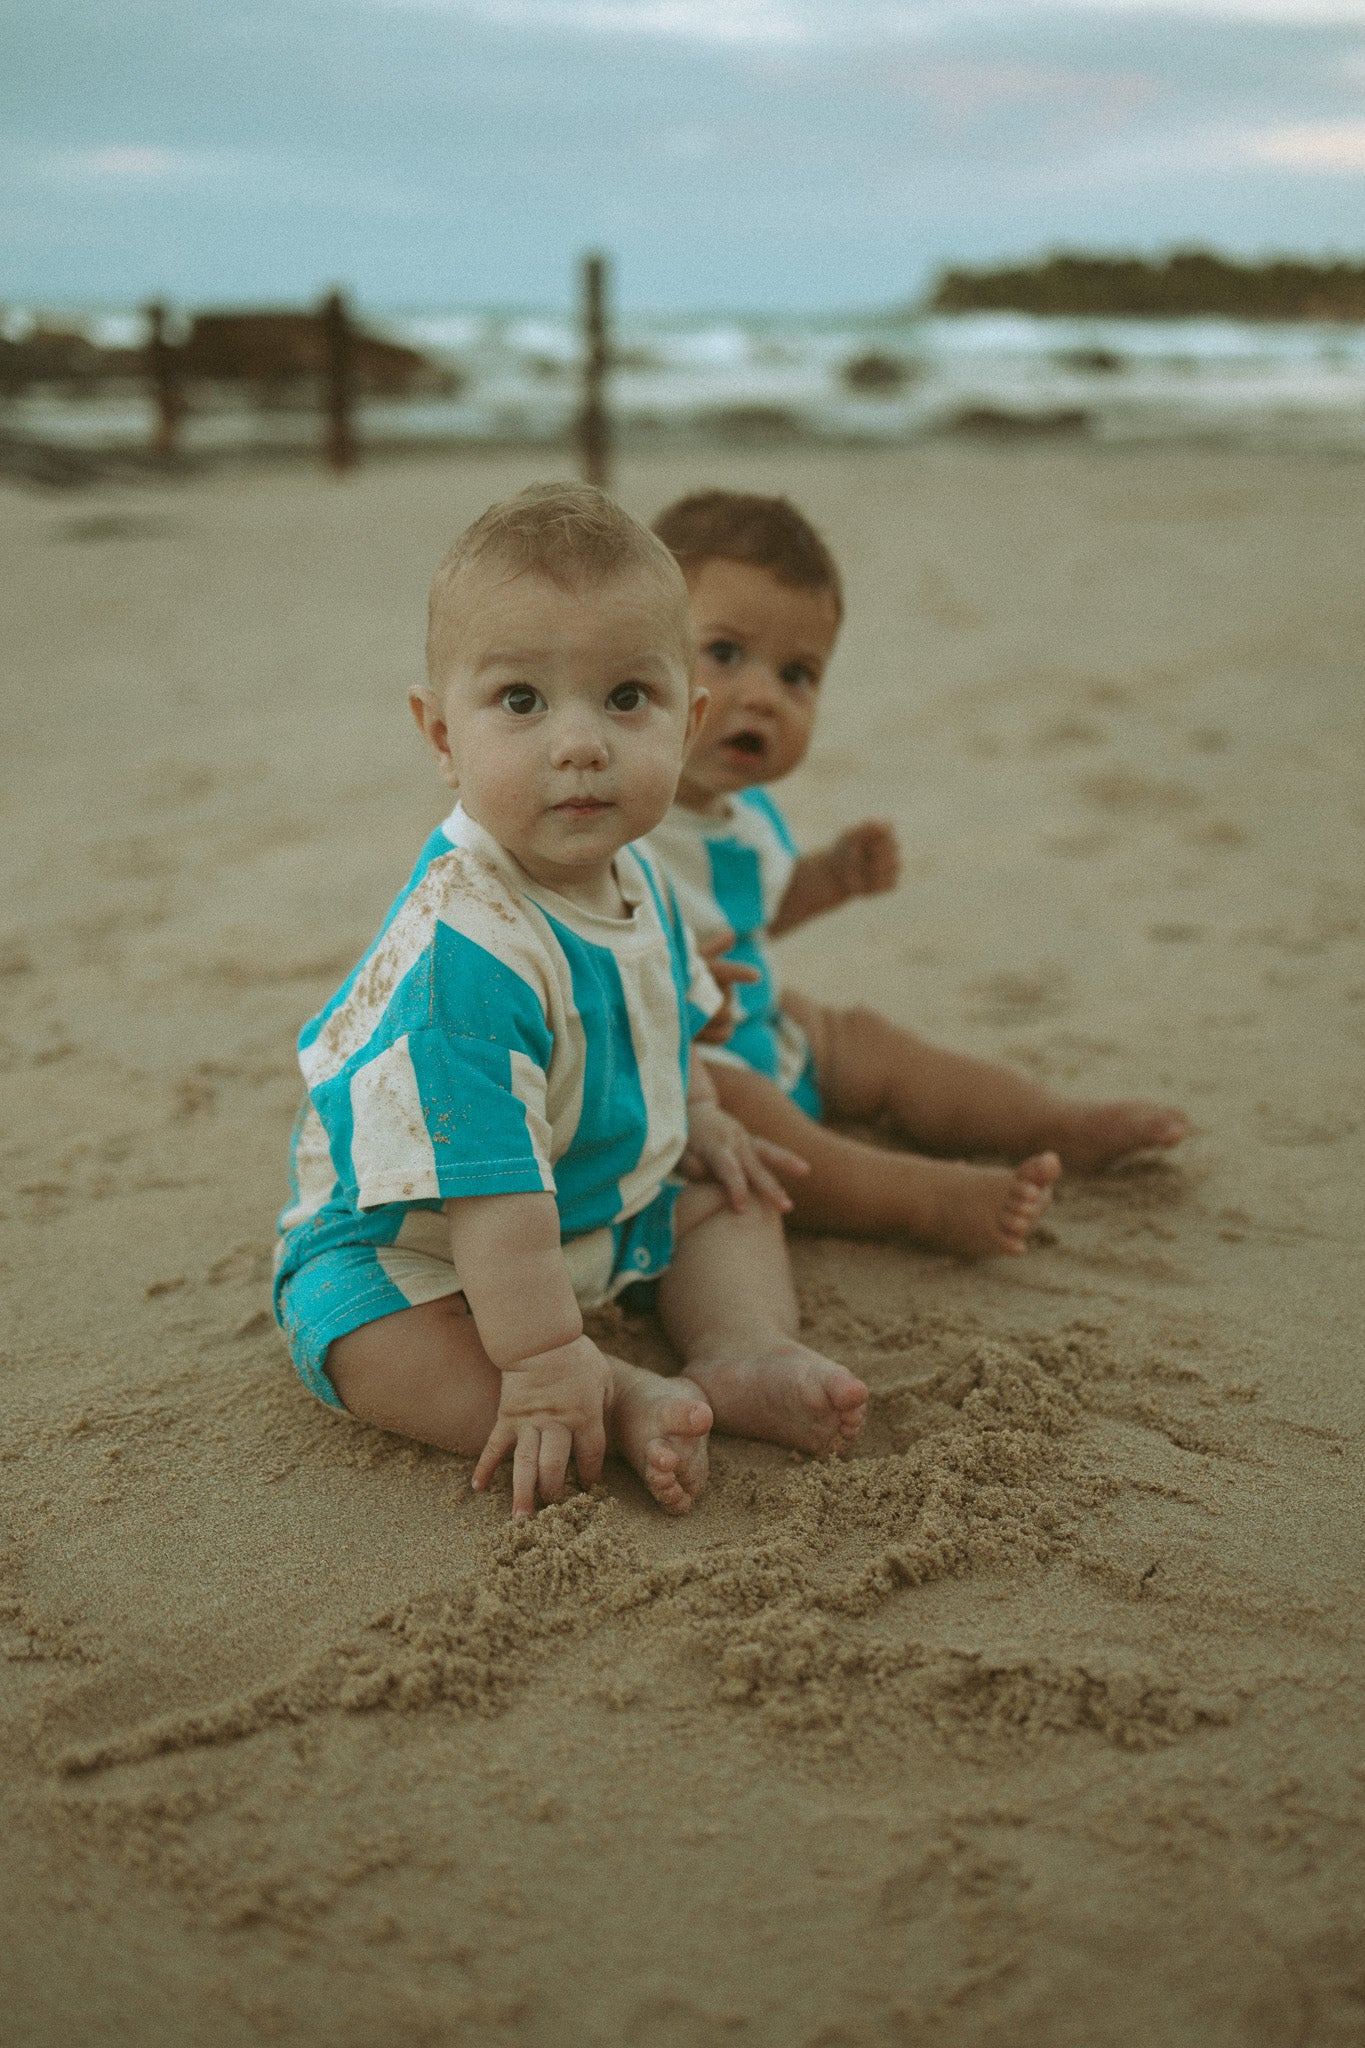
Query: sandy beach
x=1036 y=1724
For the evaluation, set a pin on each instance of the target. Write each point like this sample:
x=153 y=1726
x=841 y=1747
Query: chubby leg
x=423 y=1373
x=950 y=1101
x=862 y=1190
x=728 y=1304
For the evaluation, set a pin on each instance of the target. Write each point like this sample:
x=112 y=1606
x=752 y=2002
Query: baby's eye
x=628 y=697
x=799 y=676
x=521 y=699
x=725 y=653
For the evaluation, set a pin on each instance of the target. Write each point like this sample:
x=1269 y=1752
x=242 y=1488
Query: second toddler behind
x=767 y=605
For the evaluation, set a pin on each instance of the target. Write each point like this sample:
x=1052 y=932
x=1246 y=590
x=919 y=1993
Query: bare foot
x=787 y=1395
x=1089 y=1135
x=978 y=1210
x=660 y=1427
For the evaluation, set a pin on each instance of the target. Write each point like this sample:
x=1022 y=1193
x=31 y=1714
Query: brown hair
x=569 y=533
x=764 y=533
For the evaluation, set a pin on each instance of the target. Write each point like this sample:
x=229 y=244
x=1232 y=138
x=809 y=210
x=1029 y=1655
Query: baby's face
x=563 y=718
x=764 y=647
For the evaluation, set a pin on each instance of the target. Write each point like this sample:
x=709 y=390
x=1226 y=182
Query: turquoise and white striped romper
x=496 y=1039
x=730 y=867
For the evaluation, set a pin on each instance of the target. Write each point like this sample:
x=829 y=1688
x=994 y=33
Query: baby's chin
x=724 y=773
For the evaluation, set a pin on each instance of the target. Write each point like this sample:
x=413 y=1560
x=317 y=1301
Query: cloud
x=123 y=163
x=1313 y=146
x=964 y=89
x=762 y=22
x=1279 y=13
x=845 y=22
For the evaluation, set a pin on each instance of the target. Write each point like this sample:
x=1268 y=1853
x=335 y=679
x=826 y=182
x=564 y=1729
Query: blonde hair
x=569 y=533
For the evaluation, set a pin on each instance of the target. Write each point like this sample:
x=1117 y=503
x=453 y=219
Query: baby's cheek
x=506 y=796
x=654 y=785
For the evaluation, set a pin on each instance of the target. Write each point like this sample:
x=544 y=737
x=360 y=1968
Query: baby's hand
x=552 y=1406
x=728 y=974
x=719 y=1148
x=865 y=860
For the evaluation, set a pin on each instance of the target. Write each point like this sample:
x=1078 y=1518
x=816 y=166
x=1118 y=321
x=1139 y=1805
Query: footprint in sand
x=1121 y=791
x=1218 y=833
x=1020 y=997
x=1283 y=1125
x=1209 y=739
x=96 y=526
x=1060 y=735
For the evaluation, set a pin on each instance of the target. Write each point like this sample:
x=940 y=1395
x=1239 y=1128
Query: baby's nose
x=579 y=741
x=760 y=684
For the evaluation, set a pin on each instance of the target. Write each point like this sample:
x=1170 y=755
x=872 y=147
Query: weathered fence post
x=163 y=376
x=594 y=422
x=338 y=383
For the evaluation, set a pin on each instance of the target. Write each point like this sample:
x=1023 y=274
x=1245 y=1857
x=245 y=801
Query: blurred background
x=846 y=221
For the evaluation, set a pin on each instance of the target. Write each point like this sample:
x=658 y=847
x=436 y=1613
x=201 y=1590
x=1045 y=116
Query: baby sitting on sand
x=502 y=1093
x=767 y=606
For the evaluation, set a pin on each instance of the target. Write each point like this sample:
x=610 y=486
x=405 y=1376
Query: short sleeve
x=447 y=1097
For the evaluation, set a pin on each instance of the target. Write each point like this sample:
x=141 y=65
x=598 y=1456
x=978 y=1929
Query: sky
x=802 y=155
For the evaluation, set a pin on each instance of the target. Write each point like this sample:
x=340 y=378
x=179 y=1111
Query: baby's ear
x=696 y=711
x=426 y=708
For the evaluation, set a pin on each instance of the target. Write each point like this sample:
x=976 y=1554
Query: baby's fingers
x=767 y=1186
x=552 y=1464
x=501 y=1438
x=525 y=1471
x=779 y=1158
x=731 y=973
x=589 y=1449
x=729 y=1171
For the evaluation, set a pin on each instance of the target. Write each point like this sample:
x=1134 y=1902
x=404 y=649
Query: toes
x=845 y=1402
x=1029 y=1194
x=673 y=1479
x=1041 y=1171
x=684 y=1418
x=846 y=1395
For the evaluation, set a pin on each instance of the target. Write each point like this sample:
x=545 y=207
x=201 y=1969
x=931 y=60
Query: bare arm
x=507 y=1253
x=864 y=861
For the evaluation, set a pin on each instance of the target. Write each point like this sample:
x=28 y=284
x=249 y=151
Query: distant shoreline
x=1188 y=284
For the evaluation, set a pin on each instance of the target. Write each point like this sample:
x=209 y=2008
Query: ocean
x=717 y=378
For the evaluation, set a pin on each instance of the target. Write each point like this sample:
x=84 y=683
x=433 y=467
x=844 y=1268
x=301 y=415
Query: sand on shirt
x=1037 y=1722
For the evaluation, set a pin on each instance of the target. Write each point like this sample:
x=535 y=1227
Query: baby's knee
x=858 y=1037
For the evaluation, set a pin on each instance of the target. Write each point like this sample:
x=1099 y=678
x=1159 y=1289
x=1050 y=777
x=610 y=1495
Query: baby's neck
x=693 y=797
x=597 y=891
x=602 y=896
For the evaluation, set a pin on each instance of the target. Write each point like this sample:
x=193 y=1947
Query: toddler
x=767 y=606
x=501 y=1094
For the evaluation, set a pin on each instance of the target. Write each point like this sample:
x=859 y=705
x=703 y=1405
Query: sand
x=1035 y=1724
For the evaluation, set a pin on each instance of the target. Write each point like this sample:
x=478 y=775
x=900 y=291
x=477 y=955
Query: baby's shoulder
x=758 y=813
x=463 y=885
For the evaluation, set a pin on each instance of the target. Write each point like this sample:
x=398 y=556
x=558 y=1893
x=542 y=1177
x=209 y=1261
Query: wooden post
x=163 y=376
x=338 y=383
x=594 y=421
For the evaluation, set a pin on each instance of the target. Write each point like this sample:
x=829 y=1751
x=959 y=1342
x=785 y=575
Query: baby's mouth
x=582 y=806
x=750 y=746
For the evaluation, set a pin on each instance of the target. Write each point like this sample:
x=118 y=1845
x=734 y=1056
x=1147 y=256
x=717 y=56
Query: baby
x=767 y=606
x=502 y=1094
